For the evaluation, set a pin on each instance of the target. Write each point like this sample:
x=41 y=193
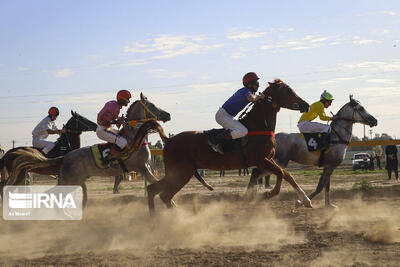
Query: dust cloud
x=128 y=226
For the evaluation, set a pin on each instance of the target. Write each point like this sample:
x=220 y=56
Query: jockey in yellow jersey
x=317 y=109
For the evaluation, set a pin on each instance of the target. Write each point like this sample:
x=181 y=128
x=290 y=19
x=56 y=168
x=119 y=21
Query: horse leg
x=152 y=191
x=323 y=179
x=85 y=198
x=117 y=181
x=180 y=179
x=300 y=192
x=256 y=173
x=146 y=171
x=272 y=167
x=327 y=198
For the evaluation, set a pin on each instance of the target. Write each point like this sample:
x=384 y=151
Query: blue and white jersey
x=237 y=101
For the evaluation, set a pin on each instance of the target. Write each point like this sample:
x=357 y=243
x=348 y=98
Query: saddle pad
x=99 y=152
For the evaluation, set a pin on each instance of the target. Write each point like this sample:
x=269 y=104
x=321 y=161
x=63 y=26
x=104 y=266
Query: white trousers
x=108 y=136
x=44 y=145
x=228 y=122
x=313 y=127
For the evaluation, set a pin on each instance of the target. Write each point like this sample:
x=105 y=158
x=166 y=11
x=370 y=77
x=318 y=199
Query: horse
x=188 y=151
x=293 y=147
x=66 y=142
x=78 y=165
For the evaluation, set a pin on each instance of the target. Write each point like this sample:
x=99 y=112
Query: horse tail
x=29 y=161
x=202 y=181
x=144 y=130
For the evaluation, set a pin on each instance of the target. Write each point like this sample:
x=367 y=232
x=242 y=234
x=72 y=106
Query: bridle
x=146 y=111
x=352 y=120
x=267 y=98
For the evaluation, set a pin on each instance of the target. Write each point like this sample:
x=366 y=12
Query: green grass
x=362 y=185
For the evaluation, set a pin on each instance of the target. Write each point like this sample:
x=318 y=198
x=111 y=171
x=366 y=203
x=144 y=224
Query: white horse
x=293 y=147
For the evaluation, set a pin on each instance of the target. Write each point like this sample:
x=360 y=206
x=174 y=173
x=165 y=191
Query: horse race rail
x=374 y=143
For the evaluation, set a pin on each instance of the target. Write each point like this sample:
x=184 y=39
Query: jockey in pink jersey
x=237 y=102
x=43 y=129
x=110 y=115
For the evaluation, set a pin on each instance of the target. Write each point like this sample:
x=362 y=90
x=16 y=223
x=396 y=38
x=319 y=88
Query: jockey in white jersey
x=43 y=129
x=237 y=102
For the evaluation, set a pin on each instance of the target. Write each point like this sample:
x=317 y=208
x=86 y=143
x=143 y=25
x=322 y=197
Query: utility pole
x=13 y=141
x=364 y=132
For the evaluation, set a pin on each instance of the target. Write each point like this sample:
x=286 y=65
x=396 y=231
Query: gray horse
x=79 y=164
x=293 y=147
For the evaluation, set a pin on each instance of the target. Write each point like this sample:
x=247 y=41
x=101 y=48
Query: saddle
x=227 y=145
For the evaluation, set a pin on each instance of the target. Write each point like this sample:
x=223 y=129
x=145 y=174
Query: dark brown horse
x=188 y=151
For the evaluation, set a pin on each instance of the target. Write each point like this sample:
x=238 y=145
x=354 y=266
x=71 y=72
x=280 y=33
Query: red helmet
x=249 y=77
x=54 y=111
x=123 y=95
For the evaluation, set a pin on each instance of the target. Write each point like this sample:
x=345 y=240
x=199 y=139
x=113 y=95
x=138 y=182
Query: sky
x=188 y=57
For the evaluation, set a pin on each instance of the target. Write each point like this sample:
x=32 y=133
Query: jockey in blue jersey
x=237 y=102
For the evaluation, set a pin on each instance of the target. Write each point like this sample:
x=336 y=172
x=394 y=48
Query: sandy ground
x=215 y=228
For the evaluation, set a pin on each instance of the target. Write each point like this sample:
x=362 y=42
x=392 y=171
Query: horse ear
x=72 y=113
x=269 y=83
x=142 y=97
x=351 y=97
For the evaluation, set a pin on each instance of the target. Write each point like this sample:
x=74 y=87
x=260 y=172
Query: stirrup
x=216 y=147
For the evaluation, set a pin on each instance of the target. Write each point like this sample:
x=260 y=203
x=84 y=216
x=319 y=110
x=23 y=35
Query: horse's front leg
x=327 y=198
x=270 y=166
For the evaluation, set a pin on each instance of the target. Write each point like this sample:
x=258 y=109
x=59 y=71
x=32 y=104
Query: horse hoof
x=298 y=203
x=331 y=206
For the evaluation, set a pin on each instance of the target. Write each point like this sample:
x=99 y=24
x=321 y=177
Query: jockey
x=317 y=109
x=225 y=115
x=43 y=129
x=110 y=115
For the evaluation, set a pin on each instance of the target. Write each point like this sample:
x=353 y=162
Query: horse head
x=282 y=95
x=78 y=124
x=143 y=110
x=354 y=111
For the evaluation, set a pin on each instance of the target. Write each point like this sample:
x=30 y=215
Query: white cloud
x=391 y=13
x=64 y=73
x=373 y=65
x=381 y=81
x=170 y=46
x=21 y=68
x=364 y=42
x=237 y=35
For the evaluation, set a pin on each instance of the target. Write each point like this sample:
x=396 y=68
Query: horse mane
x=276 y=81
x=130 y=107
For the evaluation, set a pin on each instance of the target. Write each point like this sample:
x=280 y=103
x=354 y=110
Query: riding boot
x=115 y=152
x=216 y=141
x=325 y=138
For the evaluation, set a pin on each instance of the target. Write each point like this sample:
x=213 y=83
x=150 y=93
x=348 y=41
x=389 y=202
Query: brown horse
x=188 y=151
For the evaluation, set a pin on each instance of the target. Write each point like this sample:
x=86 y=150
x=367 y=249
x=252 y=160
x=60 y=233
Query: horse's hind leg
x=85 y=198
x=153 y=190
x=272 y=167
x=117 y=181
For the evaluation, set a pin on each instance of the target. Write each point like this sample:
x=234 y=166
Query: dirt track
x=214 y=229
